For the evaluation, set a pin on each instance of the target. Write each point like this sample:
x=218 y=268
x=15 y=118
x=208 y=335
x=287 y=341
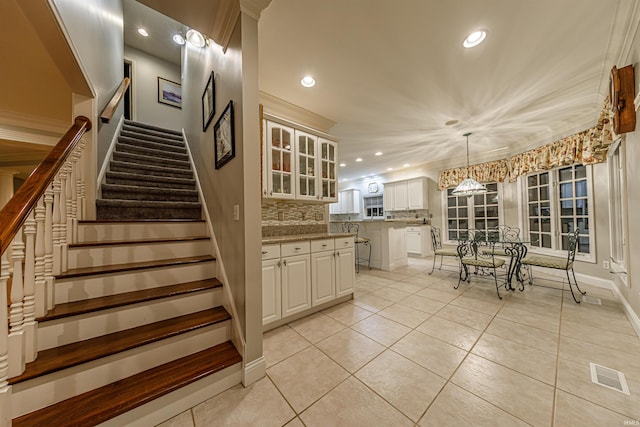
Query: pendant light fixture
x=469 y=186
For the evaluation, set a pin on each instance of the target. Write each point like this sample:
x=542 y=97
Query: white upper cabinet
x=329 y=170
x=418 y=194
x=406 y=195
x=279 y=162
x=348 y=202
x=298 y=165
x=307 y=166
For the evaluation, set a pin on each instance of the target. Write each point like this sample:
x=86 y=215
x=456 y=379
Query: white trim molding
x=253 y=371
x=628 y=310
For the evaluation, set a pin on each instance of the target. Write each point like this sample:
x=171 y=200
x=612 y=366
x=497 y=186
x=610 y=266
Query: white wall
x=144 y=83
x=96 y=30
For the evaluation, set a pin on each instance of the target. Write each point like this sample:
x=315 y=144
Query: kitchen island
x=388 y=242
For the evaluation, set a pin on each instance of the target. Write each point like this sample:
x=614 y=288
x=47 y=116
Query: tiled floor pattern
x=409 y=350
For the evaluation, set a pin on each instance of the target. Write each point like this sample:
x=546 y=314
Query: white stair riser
x=113 y=232
x=99 y=285
x=77 y=328
x=43 y=391
x=97 y=256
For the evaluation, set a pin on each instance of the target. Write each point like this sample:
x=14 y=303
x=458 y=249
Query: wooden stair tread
x=118 y=268
x=137 y=242
x=99 y=405
x=58 y=358
x=134 y=297
x=135 y=221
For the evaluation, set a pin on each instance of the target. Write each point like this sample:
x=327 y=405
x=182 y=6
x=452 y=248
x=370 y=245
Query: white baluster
x=16 y=313
x=82 y=210
x=57 y=226
x=40 y=283
x=74 y=197
x=68 y=171
x=29 y=303
x=48 y=246
x=5 y=388
x=64 y=179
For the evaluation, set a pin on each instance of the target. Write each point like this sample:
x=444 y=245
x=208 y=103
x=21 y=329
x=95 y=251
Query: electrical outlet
x=236 y=212
x=605 y=265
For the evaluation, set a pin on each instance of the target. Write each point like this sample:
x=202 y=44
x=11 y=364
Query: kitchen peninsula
x=388 y=242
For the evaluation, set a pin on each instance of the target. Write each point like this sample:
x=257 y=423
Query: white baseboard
x=628 y=310
x=253 y=371
x=107 y=157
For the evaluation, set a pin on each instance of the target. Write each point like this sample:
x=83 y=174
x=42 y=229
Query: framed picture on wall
x=224 y=137
x=169 y=93
x=208 y=102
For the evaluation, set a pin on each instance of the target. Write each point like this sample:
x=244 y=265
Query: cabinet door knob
x=279 y=264
x=324 y=245
x=337 y=253
x=297 y=249
x=284 y=262
x=264 y=252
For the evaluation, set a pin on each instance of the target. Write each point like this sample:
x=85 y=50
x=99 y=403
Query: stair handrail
x=15 y=212
x=112 y=105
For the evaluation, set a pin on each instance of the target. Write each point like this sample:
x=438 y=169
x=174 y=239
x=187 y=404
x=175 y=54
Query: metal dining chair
x=556 y=263
x=438 y=249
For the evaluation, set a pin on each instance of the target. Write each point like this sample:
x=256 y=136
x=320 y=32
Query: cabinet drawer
x=322 y=245
x=414 y=229
x=344 y=242
x=270 y=251
x=295 y=248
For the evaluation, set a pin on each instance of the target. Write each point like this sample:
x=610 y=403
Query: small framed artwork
x=169 y=93
x=224 y=137
x=208 y=102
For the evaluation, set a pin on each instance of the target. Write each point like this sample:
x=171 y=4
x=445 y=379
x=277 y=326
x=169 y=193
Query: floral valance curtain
x=587 y=147
x=484 y=172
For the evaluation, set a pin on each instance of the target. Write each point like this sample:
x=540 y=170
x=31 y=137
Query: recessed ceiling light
x=343 y=165
x=196 y=38
x=358 y=159
x=179 y=39
x=143 y=32
x=379 y=153
x=406 y=165
x=308 y=81
x=474 y=39
x=451 y=122
x=389 y=169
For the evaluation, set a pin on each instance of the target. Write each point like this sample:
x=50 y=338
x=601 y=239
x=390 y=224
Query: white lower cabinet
x=345 y=270
x=301 y=275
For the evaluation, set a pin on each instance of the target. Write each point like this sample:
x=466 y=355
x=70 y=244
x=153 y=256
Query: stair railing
x=112 y=105
x=36 y=226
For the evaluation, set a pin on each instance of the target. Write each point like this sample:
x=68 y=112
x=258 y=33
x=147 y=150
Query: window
x=480 y=212
x=617 y=217
x=373 y=208
x=558 y=202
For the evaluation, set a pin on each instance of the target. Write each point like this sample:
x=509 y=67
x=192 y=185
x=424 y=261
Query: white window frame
x=470 y=210
x=556 y=249
x=618 y=219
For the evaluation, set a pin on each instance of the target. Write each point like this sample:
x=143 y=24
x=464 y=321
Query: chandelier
x=469 y=186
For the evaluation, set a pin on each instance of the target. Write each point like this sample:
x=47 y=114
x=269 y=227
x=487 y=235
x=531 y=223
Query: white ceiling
x=391 y=73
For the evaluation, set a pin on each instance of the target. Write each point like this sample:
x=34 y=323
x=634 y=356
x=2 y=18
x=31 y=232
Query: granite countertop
x=299 y=237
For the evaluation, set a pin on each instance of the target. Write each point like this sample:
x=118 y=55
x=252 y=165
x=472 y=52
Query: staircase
x=149 y=177
x=138 y=332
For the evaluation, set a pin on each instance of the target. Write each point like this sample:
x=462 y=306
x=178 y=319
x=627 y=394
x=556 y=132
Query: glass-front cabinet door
x=328 y=169
x=280 y=162
x=306 y=165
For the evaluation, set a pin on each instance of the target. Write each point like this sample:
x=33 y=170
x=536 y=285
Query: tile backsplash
x=284 y=212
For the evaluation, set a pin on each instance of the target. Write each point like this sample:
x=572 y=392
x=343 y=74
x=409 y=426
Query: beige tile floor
x=411 y=350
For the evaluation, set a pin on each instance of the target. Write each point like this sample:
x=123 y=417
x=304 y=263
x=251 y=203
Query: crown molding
x=279 y=107
x=254 y=8
x=224 y=22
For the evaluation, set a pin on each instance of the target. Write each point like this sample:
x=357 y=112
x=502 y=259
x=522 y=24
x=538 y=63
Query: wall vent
x=609 y=378
x=591 y=300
